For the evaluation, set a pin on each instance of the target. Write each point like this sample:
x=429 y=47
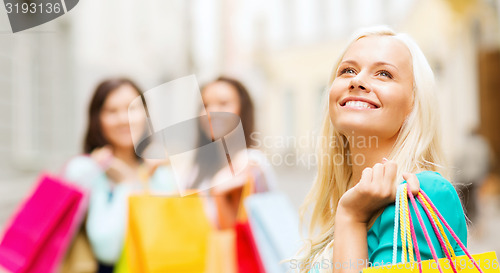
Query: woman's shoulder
x=442 y=193
x=80 y=164
x=81 y=168
x=436 y=186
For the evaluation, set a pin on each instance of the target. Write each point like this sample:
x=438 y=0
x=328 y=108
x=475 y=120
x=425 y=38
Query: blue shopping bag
x=275 y=226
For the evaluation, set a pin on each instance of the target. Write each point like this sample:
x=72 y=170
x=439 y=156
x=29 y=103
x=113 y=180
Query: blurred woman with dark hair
x=112 y=170
x=230 y=96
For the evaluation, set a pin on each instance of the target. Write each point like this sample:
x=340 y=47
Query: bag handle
x=404 y=225
x=442 y=244
x=404 y=217
x=144 y=178
x=426 y=234
x=400 y=214
x=397 y=215
x=247 y=190
x=436 y=221
x=409 y=224
x=422 y=195
x=413 y=233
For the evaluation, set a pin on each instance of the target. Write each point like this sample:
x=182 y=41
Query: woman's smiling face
x=116 y=117
x=372 y=93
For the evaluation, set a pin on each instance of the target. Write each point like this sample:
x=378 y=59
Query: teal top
x=108 y=204
x=444 y=196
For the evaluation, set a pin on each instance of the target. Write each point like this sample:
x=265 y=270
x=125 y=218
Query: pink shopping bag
x=39 y=234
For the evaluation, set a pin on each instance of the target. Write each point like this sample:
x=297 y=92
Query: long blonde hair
x=417 y=148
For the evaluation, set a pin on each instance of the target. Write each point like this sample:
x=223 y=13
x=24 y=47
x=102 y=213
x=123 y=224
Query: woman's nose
x=360 y=86
x=358 y=83
x=213 y=108
x=123 y=117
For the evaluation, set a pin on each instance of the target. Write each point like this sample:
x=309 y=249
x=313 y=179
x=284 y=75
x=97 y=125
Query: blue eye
x=384 y=73
x=347 y=70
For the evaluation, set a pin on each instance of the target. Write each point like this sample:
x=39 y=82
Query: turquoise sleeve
x=445 y=198
x=314 y=270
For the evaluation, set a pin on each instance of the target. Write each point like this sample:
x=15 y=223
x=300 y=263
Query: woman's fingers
x=412 y=180
x=222 y=185
x=366 y=176
x=378 y=173
x=103 y=156
x=390 y=173
x=384 y=180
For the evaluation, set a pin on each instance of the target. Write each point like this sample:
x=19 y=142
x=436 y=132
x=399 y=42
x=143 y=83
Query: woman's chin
x=123 y=144
x=360 y=129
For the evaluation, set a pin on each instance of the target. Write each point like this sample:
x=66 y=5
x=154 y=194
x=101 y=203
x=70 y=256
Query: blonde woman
x=381 y=128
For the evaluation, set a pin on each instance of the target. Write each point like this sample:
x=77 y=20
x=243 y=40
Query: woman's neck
x=126 y=155
x=366 y=152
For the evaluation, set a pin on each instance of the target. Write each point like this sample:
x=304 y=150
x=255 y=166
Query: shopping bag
x=39 y=233
x=221 y=254
x=247 y=256
x=165 y=234
x=274 y=223
x=122 y=266
x=484 y=262
x=79 y=257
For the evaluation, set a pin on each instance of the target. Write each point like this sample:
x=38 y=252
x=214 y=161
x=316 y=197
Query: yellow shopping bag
x=122 y=264
x=485 y=262
x=488 y=262
x=165 y=234
x=221 y=257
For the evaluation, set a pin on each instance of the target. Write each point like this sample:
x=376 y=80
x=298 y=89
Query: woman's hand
x=103 y=156
x=152 y=164
x=224 y=181
x=375 y=190
x=117 y=170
